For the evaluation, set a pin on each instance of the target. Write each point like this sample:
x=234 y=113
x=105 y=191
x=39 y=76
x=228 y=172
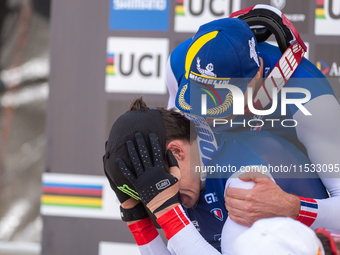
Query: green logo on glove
x=127 y=190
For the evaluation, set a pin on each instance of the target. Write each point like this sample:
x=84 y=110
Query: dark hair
x=177 y=125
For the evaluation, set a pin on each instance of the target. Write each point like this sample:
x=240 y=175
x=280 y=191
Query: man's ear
x=177 y=150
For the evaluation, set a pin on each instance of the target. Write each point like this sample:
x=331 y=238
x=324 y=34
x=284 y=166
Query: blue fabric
x=250 y=148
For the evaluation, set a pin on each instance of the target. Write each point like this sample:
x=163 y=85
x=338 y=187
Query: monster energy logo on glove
x=127 y=190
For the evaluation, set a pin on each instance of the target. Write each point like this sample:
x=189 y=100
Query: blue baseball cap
x=220 y=62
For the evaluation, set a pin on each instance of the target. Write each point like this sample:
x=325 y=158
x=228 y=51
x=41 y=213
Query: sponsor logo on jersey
x=190 y=14
x=211 y=198
x=218 y=237
x=132 y=69
x=327 y=17
x=217 y=212
x=139 y=15
x=197 y=226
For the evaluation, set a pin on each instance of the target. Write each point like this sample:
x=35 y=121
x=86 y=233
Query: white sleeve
x=319 y=133
x=171 y=250
x=182 y=235
x=155 y=247
x=189 y=241
x=171 y=82
x=329 y=208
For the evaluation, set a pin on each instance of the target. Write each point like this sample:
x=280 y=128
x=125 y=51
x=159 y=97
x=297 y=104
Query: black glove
x=138 y=212
x=123 y=191
x=156 y=187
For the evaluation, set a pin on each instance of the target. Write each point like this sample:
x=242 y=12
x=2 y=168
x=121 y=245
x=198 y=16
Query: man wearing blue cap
x=211 y=74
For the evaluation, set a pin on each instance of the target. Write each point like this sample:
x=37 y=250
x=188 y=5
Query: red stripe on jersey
x=172 y=222
x=143 y=231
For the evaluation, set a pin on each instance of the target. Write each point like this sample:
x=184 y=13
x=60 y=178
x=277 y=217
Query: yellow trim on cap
x=209 y=77
x=195 y=47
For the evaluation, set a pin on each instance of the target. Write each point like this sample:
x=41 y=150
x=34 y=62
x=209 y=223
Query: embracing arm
x=268 y=200
x=320 y=135
x=265 y=200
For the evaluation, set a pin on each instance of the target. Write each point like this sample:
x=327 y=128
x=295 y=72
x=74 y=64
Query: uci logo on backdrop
x=190 y=14
x=136 y=65
x=327 y=17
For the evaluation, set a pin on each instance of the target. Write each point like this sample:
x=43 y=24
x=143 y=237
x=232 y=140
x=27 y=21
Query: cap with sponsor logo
x=278 y=236
x=221 y=60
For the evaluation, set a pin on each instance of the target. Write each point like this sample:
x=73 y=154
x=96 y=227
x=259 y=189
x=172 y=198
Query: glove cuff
x=173 y=200
x=136 y=213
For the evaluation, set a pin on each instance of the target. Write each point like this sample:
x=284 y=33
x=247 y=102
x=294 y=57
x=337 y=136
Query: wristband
x=173 y=221
x=136 y=213
x=143 y=231
x=308 y=211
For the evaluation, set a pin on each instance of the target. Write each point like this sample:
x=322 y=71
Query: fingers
x=239 y=220
x=240 y=211
x=156 y=150
x=253 y=176
x=123 y=168
x=173 y=165
x=236 y=204
x=143 y=151
x=134 y=158
x=171 y=159
x=236 y=193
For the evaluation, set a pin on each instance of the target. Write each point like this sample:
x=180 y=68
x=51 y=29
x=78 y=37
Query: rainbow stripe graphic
x=72 y=195
x=320 y=9
x=179 y=8
x=110 y=61
x=214 y=91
